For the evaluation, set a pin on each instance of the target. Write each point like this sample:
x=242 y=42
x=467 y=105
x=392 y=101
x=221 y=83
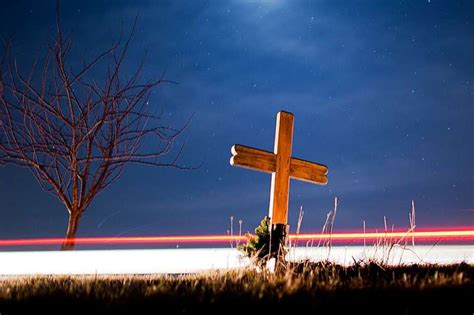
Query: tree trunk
x=73 y=222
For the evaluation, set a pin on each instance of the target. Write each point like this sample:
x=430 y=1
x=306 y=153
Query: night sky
x=382 y=93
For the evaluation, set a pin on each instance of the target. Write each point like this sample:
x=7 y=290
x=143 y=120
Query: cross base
x=278 y=240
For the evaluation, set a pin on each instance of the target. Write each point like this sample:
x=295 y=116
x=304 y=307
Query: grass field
x=304 y=287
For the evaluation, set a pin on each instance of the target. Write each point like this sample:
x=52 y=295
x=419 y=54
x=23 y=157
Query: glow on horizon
x=454 y=234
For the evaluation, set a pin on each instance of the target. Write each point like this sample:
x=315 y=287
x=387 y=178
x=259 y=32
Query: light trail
x=455 y=234
x=191 y=260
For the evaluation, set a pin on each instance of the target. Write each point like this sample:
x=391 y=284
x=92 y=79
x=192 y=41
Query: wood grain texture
x=308 y=171
x=281 y=165
x=278 y=210
x=251 y=158
x=265 y=161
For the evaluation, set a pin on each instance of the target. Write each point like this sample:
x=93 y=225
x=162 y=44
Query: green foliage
x=257 y=246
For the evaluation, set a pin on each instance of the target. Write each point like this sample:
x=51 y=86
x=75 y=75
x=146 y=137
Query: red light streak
x=455 y=234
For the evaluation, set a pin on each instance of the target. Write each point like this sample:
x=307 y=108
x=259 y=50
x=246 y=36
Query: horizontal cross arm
x=265 y=161
x=255 y=159
x=308 y=171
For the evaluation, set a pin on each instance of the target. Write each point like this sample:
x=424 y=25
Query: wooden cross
x=281 y=165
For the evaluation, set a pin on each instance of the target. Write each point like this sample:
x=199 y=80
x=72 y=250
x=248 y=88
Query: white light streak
x=175 y=261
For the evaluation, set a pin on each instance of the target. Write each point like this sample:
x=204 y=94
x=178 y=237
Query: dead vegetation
x=316 y=287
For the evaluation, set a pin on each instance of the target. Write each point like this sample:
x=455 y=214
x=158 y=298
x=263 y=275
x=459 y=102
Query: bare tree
x=76 y=133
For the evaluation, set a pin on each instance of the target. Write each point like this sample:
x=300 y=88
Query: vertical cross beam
x=278 y=210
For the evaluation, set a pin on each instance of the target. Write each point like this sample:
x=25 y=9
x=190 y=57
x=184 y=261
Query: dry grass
x=370 y=288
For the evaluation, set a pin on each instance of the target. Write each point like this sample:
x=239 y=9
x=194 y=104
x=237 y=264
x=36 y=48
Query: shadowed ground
x=309 y=287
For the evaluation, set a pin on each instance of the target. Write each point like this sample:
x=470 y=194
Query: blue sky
x=382 y=93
